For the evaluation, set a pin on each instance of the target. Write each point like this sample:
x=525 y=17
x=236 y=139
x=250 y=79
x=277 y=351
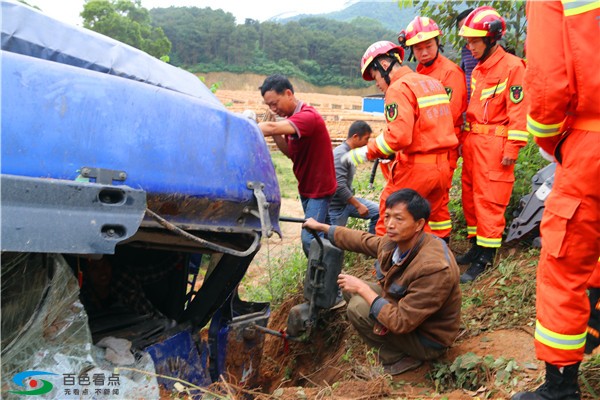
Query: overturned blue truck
x=113 y=159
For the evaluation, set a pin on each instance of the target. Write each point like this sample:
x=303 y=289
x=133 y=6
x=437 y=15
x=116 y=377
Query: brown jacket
x=421 y=293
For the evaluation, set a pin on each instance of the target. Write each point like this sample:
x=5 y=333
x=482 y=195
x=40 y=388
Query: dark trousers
x=392 y=347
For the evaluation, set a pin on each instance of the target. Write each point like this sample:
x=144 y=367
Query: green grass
x=285 y=278
x=288 y=185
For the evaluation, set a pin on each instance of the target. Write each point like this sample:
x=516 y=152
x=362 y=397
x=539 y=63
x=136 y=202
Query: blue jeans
x=317 y=209
x=340 y=216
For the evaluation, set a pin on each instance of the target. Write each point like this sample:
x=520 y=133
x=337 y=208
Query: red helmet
x=484 y=21
x=375 y=50
x=419 y=30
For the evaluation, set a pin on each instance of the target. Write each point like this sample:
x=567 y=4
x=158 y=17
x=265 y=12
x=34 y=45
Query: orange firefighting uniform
x=564 y=88
x=495 y=128
x=419 y=124
x=453 y=79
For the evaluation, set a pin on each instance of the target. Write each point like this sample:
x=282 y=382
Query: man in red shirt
x=303 y=137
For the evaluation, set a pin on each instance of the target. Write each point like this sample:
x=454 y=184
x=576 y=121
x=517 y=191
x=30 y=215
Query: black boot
x=470 y=255
x=558 y=386
x=485 y=258
x=593 y=336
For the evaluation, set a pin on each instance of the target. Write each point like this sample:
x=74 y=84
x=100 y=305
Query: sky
x=261 y=10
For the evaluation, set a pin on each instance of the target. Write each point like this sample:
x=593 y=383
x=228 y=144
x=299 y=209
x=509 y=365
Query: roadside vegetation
x=502 y=299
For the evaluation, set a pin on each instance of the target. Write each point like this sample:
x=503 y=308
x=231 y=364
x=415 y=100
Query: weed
x=590 y=376
x=470 y=371
x=286 y=276
x=288 y=185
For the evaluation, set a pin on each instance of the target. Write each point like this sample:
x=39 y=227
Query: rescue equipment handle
x=301 y=221
x=213 y=246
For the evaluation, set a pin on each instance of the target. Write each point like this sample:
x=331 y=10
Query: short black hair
x=279 y=83
x=416 y=205
x=464 y=14
x=360 y=128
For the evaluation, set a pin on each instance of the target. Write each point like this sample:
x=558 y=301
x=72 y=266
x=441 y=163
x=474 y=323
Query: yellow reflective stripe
x=471 y=230
x=440 y=225
x=356 y=157
x=518 y=135
x=558 y=340
x=482 y=14
x=383 y=146
x=488 y=242
x=494 y=90
x=471 y=32
x=434 y=100
x=541 y=130
x=575 y=7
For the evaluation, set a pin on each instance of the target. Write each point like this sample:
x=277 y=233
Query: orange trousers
x=486 y=187
x=426 y=174
x=570 y=232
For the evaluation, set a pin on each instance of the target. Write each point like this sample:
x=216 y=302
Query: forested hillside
x=318 y=50
x=385 y=11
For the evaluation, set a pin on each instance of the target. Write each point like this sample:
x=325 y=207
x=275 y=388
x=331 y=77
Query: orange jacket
x=453 y=79
x=564 y=47
x=418 y=116
x=497 y=98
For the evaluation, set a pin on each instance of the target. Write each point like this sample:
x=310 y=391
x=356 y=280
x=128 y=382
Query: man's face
x=477 y=46
x=400 y=224
x=362 y=140
x=425 y=51
x=280 y=104
x=379 y=81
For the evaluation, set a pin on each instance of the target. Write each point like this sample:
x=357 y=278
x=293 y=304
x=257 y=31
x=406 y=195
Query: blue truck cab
x=113 y=159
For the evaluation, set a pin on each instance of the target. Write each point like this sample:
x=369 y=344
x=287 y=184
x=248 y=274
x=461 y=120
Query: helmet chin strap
x=385 y=73
x=489 y=43
x=430 y=62
x=437 y=53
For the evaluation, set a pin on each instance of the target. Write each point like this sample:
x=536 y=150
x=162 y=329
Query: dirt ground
x=320 y=368
x=334 y=364
x=338 y=111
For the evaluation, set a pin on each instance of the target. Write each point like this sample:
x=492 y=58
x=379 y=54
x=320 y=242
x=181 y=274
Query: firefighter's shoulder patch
x=448 y=92
x=391 y=112
x=516 y=94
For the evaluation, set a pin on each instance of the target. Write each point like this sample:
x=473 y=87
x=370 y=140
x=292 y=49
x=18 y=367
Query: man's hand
x=506 y=161
x=363 y=211
x=315 y=225
x=251 y=115
x=351 y=284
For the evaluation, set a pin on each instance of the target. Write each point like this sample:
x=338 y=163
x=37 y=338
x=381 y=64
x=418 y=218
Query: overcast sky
x=262 y=10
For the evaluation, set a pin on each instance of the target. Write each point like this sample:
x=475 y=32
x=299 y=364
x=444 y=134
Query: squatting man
x=412 y=313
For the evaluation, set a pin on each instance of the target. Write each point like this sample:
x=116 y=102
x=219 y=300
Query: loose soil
x=334 y=363
x=322 y=368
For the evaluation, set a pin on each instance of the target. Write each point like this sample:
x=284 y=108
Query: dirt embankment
x=335 y=364
x=338 y=111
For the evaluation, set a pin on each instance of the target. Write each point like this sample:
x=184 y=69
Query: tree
x=128 y=22
x=444 y=14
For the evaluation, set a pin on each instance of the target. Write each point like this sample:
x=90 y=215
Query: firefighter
x=494 y=133
x=419 y=128
x=564 y=118
x=422 y=36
